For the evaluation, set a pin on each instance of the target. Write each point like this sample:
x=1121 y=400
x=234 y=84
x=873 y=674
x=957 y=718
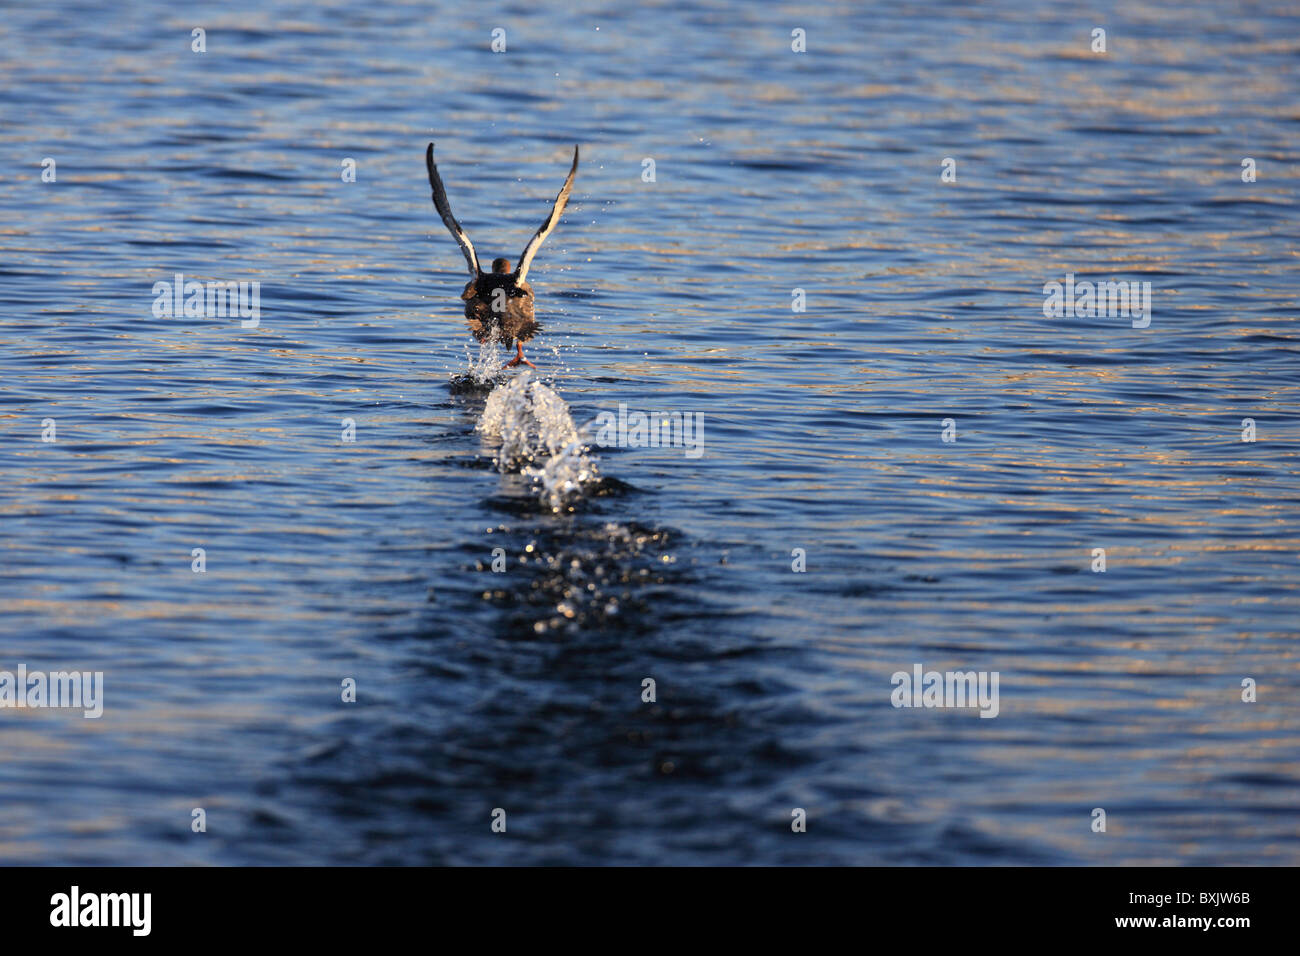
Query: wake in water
x=536 y=436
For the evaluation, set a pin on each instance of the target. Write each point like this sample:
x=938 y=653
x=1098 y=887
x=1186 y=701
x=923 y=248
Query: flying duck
x=499 y=302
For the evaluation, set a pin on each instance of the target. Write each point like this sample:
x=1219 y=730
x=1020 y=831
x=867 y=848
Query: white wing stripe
x=444 y=210
x=551 y=222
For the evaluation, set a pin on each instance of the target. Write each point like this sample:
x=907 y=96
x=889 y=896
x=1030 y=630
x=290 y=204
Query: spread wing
x=535 y=243
x=444 y=210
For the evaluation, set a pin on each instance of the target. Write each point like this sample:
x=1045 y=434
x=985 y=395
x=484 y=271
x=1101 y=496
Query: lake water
x=822 y=435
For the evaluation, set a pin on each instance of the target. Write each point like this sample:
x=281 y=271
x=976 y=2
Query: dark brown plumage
x=499 y=302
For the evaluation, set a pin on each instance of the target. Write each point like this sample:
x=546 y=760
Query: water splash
x=537 y=438
x=482 y=370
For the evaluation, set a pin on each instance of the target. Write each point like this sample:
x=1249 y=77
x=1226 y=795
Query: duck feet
x=519 y=358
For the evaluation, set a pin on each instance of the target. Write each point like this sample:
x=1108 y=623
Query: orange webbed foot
x=519 y=358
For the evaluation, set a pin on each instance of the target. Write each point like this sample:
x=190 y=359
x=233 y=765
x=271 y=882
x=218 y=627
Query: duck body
x=499 y=303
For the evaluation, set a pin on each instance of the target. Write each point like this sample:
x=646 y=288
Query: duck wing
x=535 y=243
x=444 y=210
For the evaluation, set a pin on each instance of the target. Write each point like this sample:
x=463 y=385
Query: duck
x=500 y=303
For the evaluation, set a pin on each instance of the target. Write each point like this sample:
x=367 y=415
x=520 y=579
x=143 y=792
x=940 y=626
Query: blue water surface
x=774 y=171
